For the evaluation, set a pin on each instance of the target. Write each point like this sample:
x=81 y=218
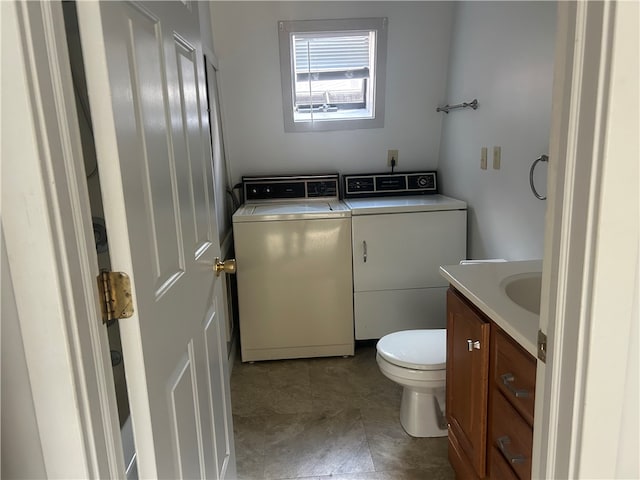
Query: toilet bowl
x=416 y=360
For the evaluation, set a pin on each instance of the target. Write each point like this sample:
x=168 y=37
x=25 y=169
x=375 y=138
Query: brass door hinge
x=115 y=295
x=542 y=346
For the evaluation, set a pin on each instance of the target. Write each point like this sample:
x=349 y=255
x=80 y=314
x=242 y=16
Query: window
x=333 y=73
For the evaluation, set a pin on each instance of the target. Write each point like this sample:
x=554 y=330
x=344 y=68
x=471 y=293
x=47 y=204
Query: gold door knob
x=228 y=266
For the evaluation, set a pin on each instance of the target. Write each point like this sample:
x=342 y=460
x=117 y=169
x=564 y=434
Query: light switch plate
x=496 y=157
x=483 y=158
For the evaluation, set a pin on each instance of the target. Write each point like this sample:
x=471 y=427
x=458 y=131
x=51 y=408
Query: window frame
x=378 y=83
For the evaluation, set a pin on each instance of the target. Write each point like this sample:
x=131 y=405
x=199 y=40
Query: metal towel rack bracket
x=541 y=158
x=472 y=104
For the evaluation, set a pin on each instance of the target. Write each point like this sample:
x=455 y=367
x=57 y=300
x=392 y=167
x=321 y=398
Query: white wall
x=502 y=53
x=246 y=40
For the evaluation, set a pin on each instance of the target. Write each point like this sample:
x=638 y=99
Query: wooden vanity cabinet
x=490 y=396
x=467 y=386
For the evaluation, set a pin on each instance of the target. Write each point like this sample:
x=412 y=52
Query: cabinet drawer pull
x=507 y=378
x=471 y=345
x=364 y=248
x=502 y=445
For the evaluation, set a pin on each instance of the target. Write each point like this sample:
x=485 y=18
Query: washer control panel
x=381 y=184
x=300 y=187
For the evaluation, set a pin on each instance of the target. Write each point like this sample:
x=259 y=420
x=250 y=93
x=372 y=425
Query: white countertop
x=482 y=283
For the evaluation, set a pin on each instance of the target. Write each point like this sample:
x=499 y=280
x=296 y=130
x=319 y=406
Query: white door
x=147 y=92
x=405 y=250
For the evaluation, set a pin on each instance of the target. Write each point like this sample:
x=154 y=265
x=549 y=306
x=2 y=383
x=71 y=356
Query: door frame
x=52 y=257
x=590 y=278
x=72 y=378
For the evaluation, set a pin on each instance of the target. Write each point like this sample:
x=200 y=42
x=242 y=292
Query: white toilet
x=416 y=359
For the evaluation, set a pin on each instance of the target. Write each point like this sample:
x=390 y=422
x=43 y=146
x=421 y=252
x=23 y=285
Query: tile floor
x=327 y=418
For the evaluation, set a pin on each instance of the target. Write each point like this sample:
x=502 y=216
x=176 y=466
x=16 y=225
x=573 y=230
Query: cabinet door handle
x=511 y=458
x=364 y=251
x=507 y=379
x=471 y=345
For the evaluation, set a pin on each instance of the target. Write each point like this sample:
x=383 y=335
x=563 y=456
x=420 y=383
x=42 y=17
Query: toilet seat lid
x=416 y=349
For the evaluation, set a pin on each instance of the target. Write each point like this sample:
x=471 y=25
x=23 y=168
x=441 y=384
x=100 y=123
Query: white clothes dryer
x=402 y=231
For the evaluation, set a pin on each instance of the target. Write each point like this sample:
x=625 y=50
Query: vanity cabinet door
x=467 y=383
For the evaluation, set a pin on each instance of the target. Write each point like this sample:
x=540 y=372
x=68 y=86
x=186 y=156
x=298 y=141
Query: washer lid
x=300 y=210
x=291 y=209
x=416 y=349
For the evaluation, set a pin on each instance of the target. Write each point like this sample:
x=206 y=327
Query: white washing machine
x=402 y=232
x=294 y=270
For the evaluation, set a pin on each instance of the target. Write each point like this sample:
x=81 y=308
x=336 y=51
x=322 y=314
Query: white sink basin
x=524 y=290
x=507 y=292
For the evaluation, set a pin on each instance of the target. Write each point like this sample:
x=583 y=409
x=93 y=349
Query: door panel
x=377 y=312
x=151 y=113
x=200 y=181
x=148 y=100
x=405 y=250
x=216 y=369
x=184 y=417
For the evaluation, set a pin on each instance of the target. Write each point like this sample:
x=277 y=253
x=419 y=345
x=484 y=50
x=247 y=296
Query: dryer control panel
x=382 y=184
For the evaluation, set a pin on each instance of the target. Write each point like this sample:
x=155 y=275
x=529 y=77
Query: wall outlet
x=496 y=157
x=392 y=155
x=483 y=158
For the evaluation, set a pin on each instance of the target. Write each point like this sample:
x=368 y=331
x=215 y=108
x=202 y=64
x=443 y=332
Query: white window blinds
x=331 y=57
